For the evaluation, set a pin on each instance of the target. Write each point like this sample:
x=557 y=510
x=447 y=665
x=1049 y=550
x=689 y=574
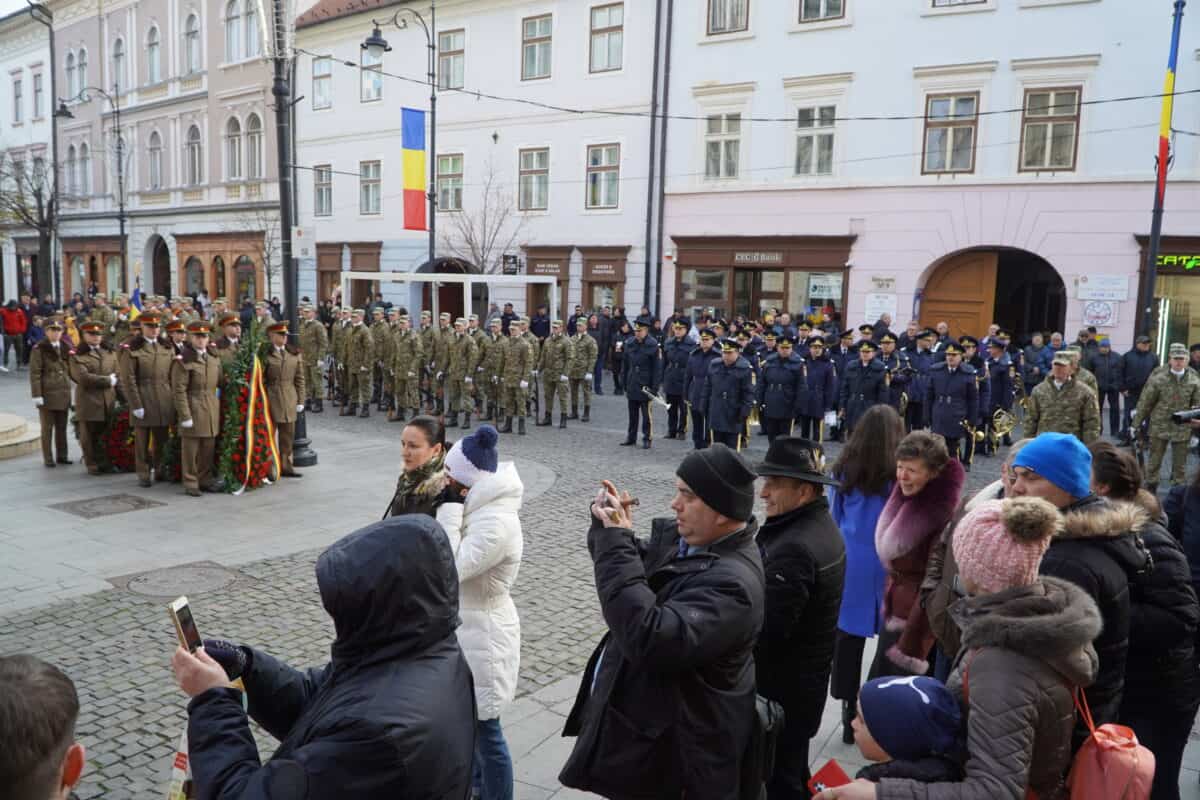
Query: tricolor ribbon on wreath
x=258 y=393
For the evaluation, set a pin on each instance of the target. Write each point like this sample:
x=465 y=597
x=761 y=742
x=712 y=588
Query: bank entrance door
x=755 y=290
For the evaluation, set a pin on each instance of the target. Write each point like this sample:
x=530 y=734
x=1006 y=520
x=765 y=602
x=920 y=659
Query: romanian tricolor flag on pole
x=412 y=140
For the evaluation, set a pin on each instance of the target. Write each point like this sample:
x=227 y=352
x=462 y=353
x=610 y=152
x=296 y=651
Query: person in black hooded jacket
x=391 y=715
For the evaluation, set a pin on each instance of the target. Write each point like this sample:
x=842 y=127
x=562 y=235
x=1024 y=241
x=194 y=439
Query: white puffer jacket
x=485 y=535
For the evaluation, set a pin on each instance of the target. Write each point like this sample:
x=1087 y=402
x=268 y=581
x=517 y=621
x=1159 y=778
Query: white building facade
x=548 y=191
x=959 y=160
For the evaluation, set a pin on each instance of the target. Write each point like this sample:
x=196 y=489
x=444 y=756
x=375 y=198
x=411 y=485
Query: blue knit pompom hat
x=473 y=456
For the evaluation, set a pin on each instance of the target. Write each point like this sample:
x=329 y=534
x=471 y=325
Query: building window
x=72 y=166
x=85 y=171
x=1050 y=129
x=38 y=95
x=608 y=37
x=246 y=276
x=534 y=181
x=322 y=191
x=372 y=76
x=535 y=47
x=233 y=149
x=252 y=33
x=155 y=158
x=603 y=175
x=191 y=45
x=233 y=31
x=153 y=74
x=722 y=143
x=950 y=124
x=72 y=88
x=451 y=59
x=254 y=142
x=39 y=173
x=118 y=65
x=728 y=16
x=814 y=140
x=81 y=76
x=368 y=187
x=322 y=82
x=18 y=101
x=195 y=157
x=450 y=182
x=817 y=10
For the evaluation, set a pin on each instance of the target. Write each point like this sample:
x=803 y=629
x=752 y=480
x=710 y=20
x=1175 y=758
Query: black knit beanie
x=721 y=479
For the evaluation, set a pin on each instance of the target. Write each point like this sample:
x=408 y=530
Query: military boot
x=574 y=412
x=318 y=406
x=452 y=420
x=466 y=421
x=544 y=421
x=365 y=411
x=521 y=426
x=587 y=414
x=347 y=410
x=307 y=404
x=506 y=427
x=562 y=419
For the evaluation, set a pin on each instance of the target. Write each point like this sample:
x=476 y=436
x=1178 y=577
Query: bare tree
x=27 y=199
x=262 y=223
x=487 y=227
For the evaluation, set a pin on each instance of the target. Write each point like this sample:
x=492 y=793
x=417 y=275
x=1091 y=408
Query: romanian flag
x=412 y=140
x=135 y=300
x=1168 y=108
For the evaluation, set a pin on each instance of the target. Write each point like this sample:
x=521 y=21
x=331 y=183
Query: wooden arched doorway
x=161 y=271
x=450 y=295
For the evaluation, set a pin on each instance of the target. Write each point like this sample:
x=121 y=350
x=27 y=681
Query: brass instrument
x=1003 y=423
x=975 y=435
x=1019 y=390
x=654 y=398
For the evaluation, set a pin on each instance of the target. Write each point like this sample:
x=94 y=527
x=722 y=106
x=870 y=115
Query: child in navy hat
x=910 y=727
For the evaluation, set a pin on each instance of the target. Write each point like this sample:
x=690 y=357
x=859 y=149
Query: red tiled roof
x=326 y=10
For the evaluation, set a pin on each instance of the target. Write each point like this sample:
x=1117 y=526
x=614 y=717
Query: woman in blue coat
x=866 y=468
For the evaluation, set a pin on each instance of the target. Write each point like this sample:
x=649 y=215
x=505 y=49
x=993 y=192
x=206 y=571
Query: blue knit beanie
x=473 y=456
x=1061 y=459
x=911 y=717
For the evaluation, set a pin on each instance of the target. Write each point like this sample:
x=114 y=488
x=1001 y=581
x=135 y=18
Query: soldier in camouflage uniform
x=314 y=344
x=1170 y=389
x=360 y=357
x=460 y=366
x=187 y=313
x=584 y=352
x=102 y=312
x=518 y=373
x=491 y=371
x=440 y=360
x=535 y=348
x=1061 y=404
x=407 y=363
x=381 y=336
x=120 y=328
x=1082 y=373
x=552 y=366
x=427 y=335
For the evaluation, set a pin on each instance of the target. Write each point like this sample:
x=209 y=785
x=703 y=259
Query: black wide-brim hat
x=793 y=457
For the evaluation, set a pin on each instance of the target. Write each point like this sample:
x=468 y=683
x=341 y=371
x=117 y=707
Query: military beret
x=149 y=318
x=199 y=327
x=866 y=345
x=278 y=327
x=176 y=326
x=91 y=327
x=229 y=319
x=1178 y=350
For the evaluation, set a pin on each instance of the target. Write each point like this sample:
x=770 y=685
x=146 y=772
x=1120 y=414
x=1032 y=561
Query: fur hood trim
x=906 y=522
x=84 y=348
x=1104 y=520
x=188 y=354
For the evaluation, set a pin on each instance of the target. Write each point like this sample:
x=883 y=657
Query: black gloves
x=235 y=659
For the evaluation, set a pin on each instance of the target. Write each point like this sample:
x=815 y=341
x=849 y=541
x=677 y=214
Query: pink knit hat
x=1000 y=543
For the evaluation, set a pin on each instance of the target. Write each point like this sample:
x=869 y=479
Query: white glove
x=495 y=379
x=412 y=374
x=112 y=379
x=535 y=373
x=140 y=413
x=524 y=384
x=830 y=418
x=479 y=369
x=364 y=369
x=564 y=378
x=439 y=375
x=468 y=379
x=38 y=402
x=187 y=423
x=299 y=408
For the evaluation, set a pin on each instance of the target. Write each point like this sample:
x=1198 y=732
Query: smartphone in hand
x=185 y=624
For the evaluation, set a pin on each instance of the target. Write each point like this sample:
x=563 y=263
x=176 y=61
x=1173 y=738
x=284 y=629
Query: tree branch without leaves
x=263 y=225
x=487 y=229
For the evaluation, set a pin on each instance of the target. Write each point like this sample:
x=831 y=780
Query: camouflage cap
x=1063 y=357
x=581 y=322
x=402 y=318
x=461 y=321
x=220 y=300
x=444 y=315
x=358 y=312
x=426 y=315
x=377 y=310
x=261 y=305
x=557 y=323
x=1178 y=350
x=473 y=318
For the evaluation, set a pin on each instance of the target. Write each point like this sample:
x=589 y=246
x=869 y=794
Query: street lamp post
x=114 y=102
x=376 y=45
x=41 y=13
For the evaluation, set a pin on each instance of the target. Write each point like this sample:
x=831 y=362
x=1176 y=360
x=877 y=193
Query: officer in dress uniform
x=94 y=371
x=974 y=358
x=920 y=358
x=842 y=352
x=728 y=395
x=145 y=380
x=195 y=377
x=952 y=398
x=861 y=385
x=50 y=385
x=899 y=370
x=820 y=395
x=999 y=367
x=676 y=352
x=698 y=363
x=643 y=371
x=284 y=378
x=177 y=333
x=782 y=389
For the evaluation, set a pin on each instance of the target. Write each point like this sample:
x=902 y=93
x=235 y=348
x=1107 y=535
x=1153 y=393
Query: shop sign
x=1103 y=287
x=1187 y=262
x=553 y=268
x=883 y=284
x=825 y=287
x=1100 y=313
x=879 y=304
x=757 y=257
x=510 y=264
x=602 y=269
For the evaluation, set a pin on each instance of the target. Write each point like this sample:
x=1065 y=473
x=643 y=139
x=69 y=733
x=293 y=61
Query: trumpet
x=654 y=398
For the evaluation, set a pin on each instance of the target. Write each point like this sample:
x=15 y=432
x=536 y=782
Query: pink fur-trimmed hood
x=906 y=522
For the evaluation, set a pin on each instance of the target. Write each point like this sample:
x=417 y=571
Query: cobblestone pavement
x=116 y=644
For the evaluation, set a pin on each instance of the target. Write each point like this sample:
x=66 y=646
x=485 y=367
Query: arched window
x=194 y=157
x=218 y=266
x=191 y=45
x=81 y=75
x=247 y=279
x=85 y=171
x=233 y=31
x=193 y=273
x=254 y=158
x=118 y=65
x=79 y=272
x=233 y=149
x=112 y=271
x=72 y=86
x=72 y=166
x=252 y=32
x=155 y=153
x=153 y=73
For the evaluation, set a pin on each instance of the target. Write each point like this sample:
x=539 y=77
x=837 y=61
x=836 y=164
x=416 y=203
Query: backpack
x=1111 y=763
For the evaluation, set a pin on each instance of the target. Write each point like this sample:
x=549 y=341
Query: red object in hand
x=827 y=777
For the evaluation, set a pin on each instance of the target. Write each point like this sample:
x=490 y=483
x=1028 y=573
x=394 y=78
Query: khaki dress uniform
x=50 y=381
x=195 y=377
x=285 y=391
x=93 y=370
x=146 y=381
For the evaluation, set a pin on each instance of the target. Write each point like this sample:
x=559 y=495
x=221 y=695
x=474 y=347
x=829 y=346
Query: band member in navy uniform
x=842 y=352
x=728 y=395
x=675 y=357
x=781 y=389
x=952 y=398
x=643 y=371
x=821 y=396
x=920 y=357
x=861 y=385
x=999 y=368
x=899 y=371
x=697 y=371
x=983 y=386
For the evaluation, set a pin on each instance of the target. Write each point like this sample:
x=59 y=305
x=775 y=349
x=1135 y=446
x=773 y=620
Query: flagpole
x=1160 y=185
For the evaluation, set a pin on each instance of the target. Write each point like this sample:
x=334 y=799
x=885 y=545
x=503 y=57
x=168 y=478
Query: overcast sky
x=9 y=6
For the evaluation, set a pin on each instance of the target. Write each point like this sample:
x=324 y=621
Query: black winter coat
x=782 y=387
x=675 y=359
x=728 y=395
x=392 y=715
x=820 y=393
x=1097 y=551
x=804 y=559
x=1136 y=367
x=1107 y=369
x=697 y=371
x=859 y=388
x=667 y=702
